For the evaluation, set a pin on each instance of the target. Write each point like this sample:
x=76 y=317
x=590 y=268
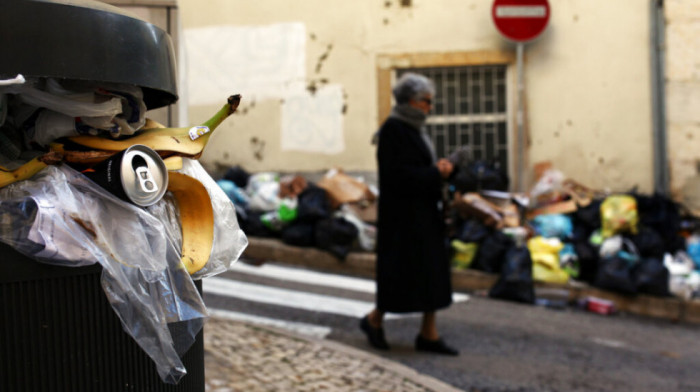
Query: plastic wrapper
x=61 y=217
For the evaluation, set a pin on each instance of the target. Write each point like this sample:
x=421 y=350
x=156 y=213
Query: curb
x=391 y=366
x=362 y=264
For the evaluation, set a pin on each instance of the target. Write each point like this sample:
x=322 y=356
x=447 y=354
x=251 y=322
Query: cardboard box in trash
x=342 y=188
x=498 y=215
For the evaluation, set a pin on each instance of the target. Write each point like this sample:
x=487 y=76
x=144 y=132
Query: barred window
x=469 y=110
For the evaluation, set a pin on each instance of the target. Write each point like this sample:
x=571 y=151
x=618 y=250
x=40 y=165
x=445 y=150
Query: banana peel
x=196 y=219
x=187 y=142
x=172 y=144
x=29 y=169
x=173 y=163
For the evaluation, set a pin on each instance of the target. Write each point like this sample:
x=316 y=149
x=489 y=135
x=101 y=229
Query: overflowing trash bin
x=108 y=223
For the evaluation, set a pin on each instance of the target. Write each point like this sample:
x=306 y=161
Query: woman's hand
x=445 y=167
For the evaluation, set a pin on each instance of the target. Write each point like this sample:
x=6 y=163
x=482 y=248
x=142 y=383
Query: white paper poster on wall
x=314 y=122
x=259 y=62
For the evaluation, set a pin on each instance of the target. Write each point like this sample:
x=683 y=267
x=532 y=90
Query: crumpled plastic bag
x=81 y=108
x=60 y=217
x=463 y=253
x=281 y=217
x=618 y=214
x=544 y=253
x=263 y=189
x=366 y=233
x=229 y=240
x=548 y=187
x=553 y=225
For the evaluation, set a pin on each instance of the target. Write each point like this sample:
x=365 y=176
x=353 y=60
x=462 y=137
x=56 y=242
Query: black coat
x=413 y=271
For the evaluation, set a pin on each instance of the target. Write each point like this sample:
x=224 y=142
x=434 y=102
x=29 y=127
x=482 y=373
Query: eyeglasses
x=429 y=101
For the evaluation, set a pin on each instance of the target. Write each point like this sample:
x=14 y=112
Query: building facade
x=315 y=76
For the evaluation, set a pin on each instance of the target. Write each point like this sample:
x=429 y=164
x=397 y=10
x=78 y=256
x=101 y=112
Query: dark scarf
x=416 y=119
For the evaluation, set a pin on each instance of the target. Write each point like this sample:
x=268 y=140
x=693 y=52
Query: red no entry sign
x=520 y=20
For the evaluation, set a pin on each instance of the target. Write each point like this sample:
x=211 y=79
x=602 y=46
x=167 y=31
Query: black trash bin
x=57 y=330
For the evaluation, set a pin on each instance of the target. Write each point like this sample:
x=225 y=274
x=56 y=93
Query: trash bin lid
x=87 y=40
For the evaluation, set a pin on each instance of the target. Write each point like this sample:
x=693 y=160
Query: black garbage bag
x=649 y=242
x=335 y=235
x=252 y=225
x=299 y=234
x=313 y=204
x=238 y=175
x=479 y=175
x=615 y=274
x=515 y=282
x=491 y=253
x=471 y=231
x=589 y=216
x=663 y=215
x=587 y=260
x=651 y=277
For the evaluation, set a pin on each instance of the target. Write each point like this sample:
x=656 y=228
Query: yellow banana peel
x=29 y=169
x=173 y=163
x=196 y=219
x=188 y=142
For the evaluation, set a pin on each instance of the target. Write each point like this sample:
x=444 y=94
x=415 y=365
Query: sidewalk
x=244 y=357
x=240 y=356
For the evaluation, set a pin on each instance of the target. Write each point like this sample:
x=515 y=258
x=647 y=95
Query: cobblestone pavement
x=244 y=357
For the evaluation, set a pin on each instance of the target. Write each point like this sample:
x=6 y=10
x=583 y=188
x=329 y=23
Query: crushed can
x=137 y=175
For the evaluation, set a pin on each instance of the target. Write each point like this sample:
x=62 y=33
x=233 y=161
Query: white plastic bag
x=60 y=217
x=264 y=189
x=229 y=240
x=366 y=233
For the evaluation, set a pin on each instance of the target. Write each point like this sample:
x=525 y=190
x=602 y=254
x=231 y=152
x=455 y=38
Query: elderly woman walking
x=413 y=271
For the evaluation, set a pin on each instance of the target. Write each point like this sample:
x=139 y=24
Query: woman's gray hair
x=412 y=86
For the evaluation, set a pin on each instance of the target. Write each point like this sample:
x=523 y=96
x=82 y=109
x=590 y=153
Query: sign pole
x=520 y=21
x=520 y=120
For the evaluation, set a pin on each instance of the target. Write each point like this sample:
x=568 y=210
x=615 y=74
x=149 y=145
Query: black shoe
x=434 y=346
x=375 y=336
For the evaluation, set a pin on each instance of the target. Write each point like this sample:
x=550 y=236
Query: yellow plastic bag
x=464 y=253
x=544 y=253
x=618 y=214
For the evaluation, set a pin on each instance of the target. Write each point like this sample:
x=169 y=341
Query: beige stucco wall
x=589 y=93
x=588 y=84
x=683 y=93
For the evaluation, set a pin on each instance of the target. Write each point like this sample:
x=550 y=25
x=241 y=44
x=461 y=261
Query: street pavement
x=241 y=356
x=250 y=349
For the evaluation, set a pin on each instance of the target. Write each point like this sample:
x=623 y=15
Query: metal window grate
x=469 y=110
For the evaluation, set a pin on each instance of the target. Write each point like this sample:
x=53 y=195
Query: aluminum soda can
x=137 y=175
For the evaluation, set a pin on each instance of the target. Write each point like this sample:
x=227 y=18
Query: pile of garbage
x=336 y=214
x=558 y=231
x=624 y=242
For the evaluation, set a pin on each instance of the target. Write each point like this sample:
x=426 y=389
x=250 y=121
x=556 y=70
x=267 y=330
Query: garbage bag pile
x=625 y=242
x=560 y=230
x=52 y=212
x=335 y=214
